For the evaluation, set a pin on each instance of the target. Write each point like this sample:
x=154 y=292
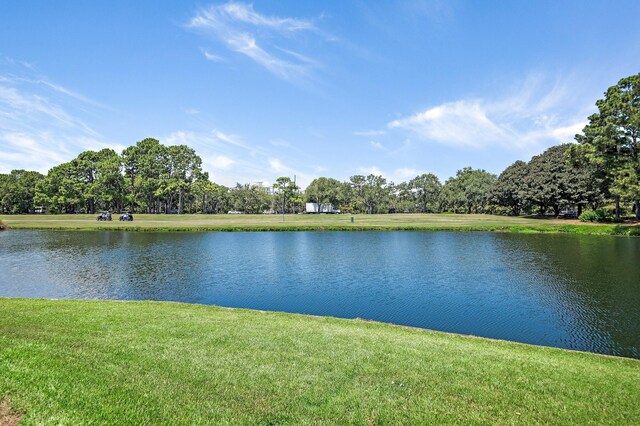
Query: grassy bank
x=408 y=222
x=68 y=362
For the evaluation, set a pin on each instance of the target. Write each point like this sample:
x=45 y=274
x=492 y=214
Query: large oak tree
x=610 y=141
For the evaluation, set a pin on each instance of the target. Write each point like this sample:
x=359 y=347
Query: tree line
x=600 y=170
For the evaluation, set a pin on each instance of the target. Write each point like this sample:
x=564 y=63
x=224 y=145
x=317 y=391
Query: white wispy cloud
x=371 y=170
x=41 y=122
x=300 y=57
x=463 y=123
x=229 y=159
x=535 y=116
x=18 y=105
x=245 y=13
x=29 y=151
x=225 y=156
x=278 y=167
x=406 y=173
x=302 y=178
x=377 y=145
x=247 y=45
x=211 y=57
x=213 y=138
x=243 y=30
x=221 y=162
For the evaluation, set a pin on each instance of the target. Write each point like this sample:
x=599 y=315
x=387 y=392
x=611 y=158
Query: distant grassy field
x=99 y=362
x=223 y=222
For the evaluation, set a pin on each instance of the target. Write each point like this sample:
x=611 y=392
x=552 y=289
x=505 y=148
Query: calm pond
x=569 y=291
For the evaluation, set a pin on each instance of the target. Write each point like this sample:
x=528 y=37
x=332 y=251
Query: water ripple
x=568 y=291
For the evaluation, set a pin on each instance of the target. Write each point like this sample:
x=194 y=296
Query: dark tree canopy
x=325 y=191
x=468 y=191
x=426 y=189
x=601 y=170
x=510 y=189
x=611 y=141
x=370 y=191
x=17 y=191
x=548 y=179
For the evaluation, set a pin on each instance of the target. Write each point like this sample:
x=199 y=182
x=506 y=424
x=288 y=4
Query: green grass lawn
x=97 y=362
x=223 y=222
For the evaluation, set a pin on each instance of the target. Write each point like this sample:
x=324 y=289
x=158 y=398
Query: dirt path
x=8 y=417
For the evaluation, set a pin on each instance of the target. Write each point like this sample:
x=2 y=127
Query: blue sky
x=331 y=88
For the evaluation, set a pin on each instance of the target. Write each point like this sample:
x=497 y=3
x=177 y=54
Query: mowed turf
x=305 y=222
x=100 y=362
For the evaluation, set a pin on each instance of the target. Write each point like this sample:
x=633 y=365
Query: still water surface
x=569 y=291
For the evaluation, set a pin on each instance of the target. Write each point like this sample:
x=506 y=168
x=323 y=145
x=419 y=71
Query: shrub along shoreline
x=174 y=363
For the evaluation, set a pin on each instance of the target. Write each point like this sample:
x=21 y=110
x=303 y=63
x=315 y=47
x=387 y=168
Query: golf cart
x=126 y=216
x=105 y=215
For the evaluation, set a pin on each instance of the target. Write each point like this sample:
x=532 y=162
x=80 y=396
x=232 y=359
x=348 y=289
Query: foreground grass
x=409 y=222
x=70 y=362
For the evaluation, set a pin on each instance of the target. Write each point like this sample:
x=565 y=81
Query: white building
x=320 y=208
